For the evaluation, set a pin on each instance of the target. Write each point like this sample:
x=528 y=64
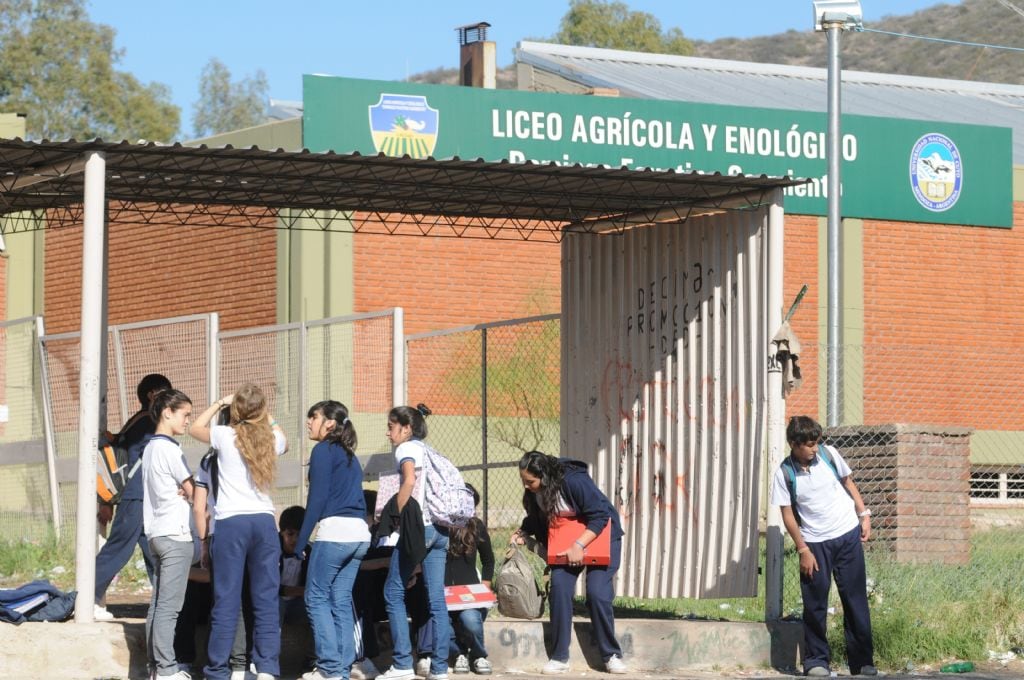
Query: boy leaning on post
x=825 y=515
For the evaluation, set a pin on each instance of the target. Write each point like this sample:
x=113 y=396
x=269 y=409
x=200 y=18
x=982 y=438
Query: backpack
x=112 y=471
x=446 y=497
x=789 y=473
x=516 y=587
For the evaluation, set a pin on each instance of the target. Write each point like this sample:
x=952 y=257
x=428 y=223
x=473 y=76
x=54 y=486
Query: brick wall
x=801 y=267
x=942 y=315
x=166 y=270
x=448 y=282
x=916 y=480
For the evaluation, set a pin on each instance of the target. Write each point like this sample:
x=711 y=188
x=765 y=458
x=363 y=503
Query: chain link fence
x=26 y=501
x=494 y=391
x=348 y=359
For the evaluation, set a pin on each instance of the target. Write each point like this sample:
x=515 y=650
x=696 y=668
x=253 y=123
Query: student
x=293 y=566
x=199 y=595
x=167 y=492
x=407 y=428
x=828 y=522
x=246 y=541
x=126 y=529
x=561 y=487
x=460 y=569
x=368 y=597
x=336 y=507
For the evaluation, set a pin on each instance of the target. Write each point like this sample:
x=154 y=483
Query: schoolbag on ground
x=112 y=471
x=516 y=587
x=789 y=473
x=448 y=501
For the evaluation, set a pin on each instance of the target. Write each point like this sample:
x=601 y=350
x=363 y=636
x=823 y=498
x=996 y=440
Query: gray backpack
x=516 y=587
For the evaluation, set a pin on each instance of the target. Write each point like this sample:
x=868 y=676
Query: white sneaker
x=461 y=665
x=317 y=674
x=422 y=667
x=101 y=614
x=265 y=676
x=393 y=673
x=437 y=676
x=555 y=667
x=241 y=675
x=364 y=670
x=615 y=665
x=482 y=666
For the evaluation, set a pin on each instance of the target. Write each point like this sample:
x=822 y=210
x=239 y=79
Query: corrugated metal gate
x=664 y=350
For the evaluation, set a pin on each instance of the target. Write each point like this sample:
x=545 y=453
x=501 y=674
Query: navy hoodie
x=585 y=500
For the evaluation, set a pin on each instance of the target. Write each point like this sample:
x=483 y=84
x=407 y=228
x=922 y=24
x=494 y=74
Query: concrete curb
x=70 y=651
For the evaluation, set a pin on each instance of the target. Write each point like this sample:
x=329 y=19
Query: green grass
x=24 y=560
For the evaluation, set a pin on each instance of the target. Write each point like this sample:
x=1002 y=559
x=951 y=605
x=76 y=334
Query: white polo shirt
x=826 y=510
x=165 y=512
x=414 y=450
x=236 y=493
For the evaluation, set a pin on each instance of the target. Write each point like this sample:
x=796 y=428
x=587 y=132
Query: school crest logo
x=403 y=124
x=936 y=173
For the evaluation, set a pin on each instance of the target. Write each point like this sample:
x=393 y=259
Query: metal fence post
x=483 y=416
x=51 y=447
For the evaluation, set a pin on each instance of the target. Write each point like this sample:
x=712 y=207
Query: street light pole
x=833 y=17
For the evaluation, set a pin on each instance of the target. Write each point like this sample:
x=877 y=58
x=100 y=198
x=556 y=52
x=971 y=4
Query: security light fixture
x=847 y=13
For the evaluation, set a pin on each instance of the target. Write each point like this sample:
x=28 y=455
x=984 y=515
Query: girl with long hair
x=167 y=491
x=336 y=507
x=246 y=540
x=560 y=487
x=407 y=428
x=468 y=624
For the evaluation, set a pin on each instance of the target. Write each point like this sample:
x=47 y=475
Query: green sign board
x=892 y=169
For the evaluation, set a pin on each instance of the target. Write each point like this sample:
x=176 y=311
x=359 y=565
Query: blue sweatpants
x=125 y=534
x=600 y=593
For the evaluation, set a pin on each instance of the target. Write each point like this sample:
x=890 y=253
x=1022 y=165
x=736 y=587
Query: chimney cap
x=471 y=33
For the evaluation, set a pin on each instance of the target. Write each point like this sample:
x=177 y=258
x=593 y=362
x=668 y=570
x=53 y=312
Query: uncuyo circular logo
x=936 y=172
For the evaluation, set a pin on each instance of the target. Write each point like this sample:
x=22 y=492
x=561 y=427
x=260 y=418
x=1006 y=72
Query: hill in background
x=976 y=21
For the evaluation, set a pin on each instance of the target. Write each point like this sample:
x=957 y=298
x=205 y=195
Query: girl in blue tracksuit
x=561 y=487
x=335 y=503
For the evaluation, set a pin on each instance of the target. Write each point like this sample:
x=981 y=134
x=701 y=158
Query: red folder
x=564 y=531
x=474 y=596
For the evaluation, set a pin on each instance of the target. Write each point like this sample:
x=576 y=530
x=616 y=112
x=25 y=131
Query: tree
x=598 y=23
x=224 y=106
x=60 y=70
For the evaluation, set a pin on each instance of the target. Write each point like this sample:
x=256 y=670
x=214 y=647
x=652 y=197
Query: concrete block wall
x=916 y=480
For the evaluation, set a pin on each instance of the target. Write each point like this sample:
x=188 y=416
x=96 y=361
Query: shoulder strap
x=826 y=456
x=789 y=474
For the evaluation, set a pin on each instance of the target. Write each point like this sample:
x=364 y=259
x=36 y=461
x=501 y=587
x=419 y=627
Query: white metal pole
x=51 y=447
x=89 y=383
x=775 y=431
x=833 y=389
x=398 y=375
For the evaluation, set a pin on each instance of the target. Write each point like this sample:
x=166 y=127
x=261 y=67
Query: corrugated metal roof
x=521 y=199
x=713 y=81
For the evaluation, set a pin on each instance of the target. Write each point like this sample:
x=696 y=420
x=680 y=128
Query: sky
x=170 y=41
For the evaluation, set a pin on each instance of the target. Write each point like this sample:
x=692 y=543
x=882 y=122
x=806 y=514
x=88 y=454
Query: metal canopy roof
x=201 y=186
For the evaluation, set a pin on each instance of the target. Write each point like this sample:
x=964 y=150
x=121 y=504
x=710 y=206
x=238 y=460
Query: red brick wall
x=801 y=267
x=942 y=324
x=158 y=271
x=448 y=282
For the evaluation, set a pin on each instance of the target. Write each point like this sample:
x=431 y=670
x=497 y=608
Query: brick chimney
x=476 y=56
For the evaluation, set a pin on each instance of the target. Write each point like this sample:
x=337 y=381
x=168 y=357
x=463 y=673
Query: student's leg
x=262 y=566
x=563 y=585
x=324 y=564
x=175 y=558
x=227 y=553
x=394 y=598
x=185 y=629
x=471 y=640
x=341 y=602
x=433 y=579
x=125 y=530
x=815 y=595
x=851 y=581
x=600 y=593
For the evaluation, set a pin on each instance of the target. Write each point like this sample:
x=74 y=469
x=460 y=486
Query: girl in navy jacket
x=557 y=487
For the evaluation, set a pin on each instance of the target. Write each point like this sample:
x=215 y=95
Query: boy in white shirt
x=825 y=515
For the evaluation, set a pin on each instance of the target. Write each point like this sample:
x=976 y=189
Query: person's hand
x=808 y=564
x=865 y=528
x=517 y=538
x=104 y=513
x=573 y=556
x=226 y=401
